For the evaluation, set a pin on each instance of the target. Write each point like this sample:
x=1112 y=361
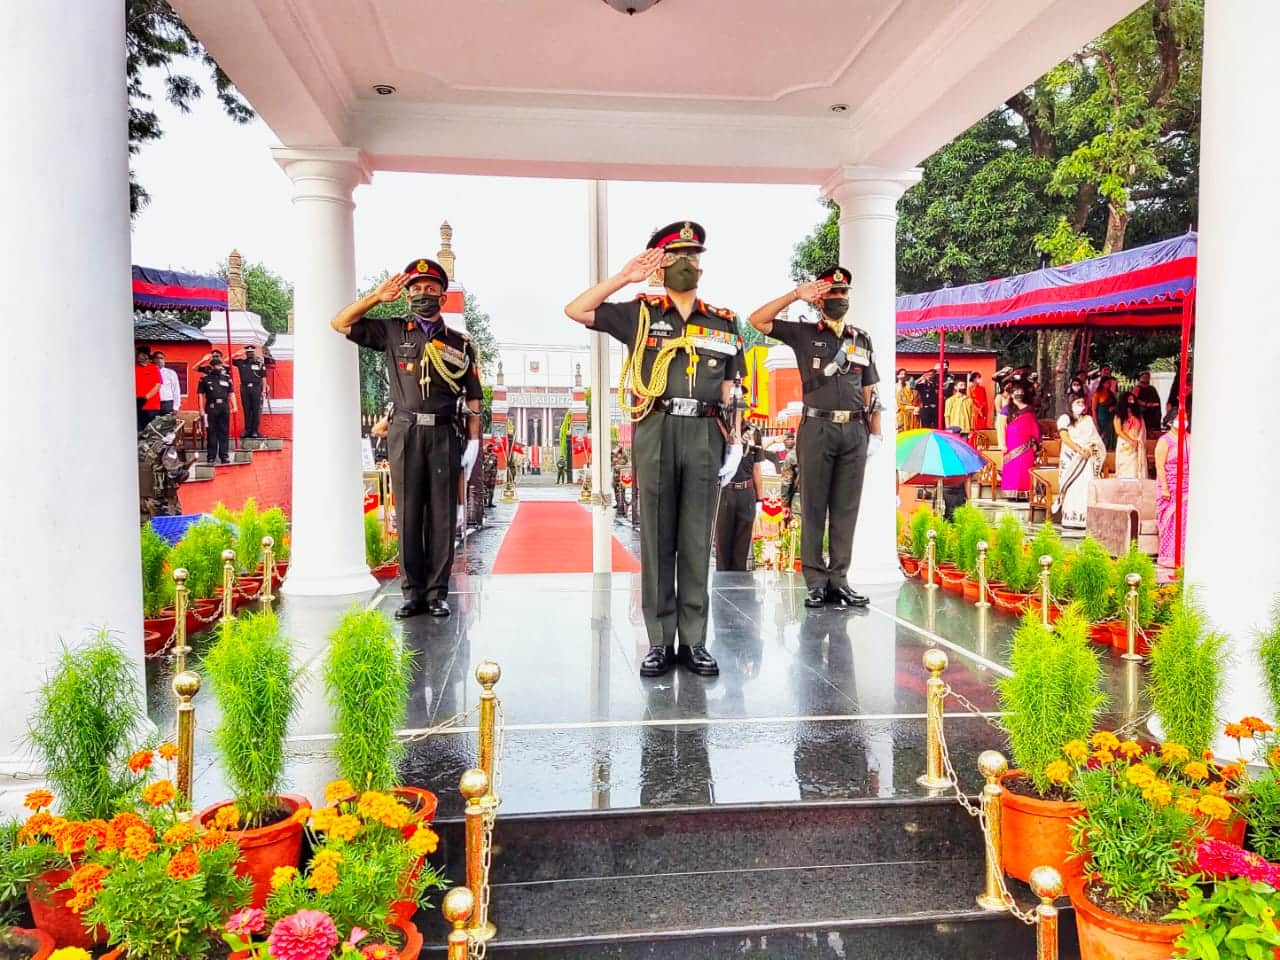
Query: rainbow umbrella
x=928 y=455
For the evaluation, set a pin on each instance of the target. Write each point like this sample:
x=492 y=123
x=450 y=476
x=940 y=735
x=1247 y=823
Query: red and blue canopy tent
x=170 y=290
x=1146 y=288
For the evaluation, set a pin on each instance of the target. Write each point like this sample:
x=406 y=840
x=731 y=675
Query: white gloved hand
x=874 y=442
x=462 y=518
x=469 y=455
x=732 y=457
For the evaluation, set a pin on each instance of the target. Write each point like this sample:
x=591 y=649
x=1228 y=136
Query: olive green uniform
x=831 y=445
x=676 y=460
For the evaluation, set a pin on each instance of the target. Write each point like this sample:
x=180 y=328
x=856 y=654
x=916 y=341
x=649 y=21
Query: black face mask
x=836 y=308
x=425 y=305
x=681 y=276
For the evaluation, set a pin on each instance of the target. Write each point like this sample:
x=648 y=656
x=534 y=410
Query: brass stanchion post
x=487 y=674
x=180 y=648
x=1046 y=883
x=474 y=786
x=935 y=777
x=186 y=685
x=458 y=906
x=228 y=584
x=268 y=569
x=992 y=765
x=1045 y=563
x=931 y=560
x=1131 y=626
x=982 y=574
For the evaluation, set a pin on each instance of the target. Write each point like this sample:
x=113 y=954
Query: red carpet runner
x=554 y=538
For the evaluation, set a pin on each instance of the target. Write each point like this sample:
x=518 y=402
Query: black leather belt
x=688 y=407
x=424 y=419
x=835 y=416
x=741 y=484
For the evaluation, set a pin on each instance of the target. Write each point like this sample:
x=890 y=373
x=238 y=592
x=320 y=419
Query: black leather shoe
x=438 y=608
x=698 y=660
x=816 y=597
x=411 y=608
x=657 y=661
x=846 y=596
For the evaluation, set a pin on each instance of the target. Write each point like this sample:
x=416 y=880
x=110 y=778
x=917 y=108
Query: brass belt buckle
x=683 y=406
x=840 y=416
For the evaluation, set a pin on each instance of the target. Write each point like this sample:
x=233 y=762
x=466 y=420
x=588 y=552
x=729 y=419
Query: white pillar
x=327 y=548
x=868 y=199
x=1235 y=570
x=69 y=484
x=601 y=463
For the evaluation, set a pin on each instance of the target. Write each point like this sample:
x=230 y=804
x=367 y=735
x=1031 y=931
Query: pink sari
x=1167 y=507
x=1021 y=436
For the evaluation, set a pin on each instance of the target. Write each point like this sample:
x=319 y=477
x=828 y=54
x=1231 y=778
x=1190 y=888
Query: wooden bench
x=1044 y=491
x=192 y=429
x=1049 y=453
x=989 y=475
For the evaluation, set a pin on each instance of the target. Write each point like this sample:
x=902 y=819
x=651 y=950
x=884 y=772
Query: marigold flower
x=1104 y=756
x=141 y=761
x=38 y=800
x=322 y=819
x=1140 y=775
x=227 y=817
x=1256 y=725
x=338 y=790
x=1215 y=807
x=1077 y=751
x=70 y=953
x=88 y=877
x=1059 y=771
x=137 y=844
x=159 y=793
x=179 y=833
x=323 y=879
x=282 y=876
x=1236 y=731
x=305 y=935
x=246 y=922
x=1231 y=772
x=184 y=865
x=301 y=815
x=1172 y=752
x=1158 y=793
x=1130 y=749
x=1197 y=771
x=345 y=827
x=168 y=752
x=1105 y=740
x=327 y=857
x=39 y=822
x=213 y=839
x=1187 y=804
x=69 y=836
x=1273 y=756
x=120 y=825
x=1216 y=789
x=425 y=840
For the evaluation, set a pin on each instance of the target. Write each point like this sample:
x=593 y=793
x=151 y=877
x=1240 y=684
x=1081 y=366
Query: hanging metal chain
x=967 y=704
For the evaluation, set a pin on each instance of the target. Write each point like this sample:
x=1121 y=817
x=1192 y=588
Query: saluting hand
x=811 y=291
x=391 y=288
x=638 y=268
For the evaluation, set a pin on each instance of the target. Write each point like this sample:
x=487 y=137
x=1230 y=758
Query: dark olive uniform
x=831 y=444
x=424 y=442
x=217 y=387
x=677 y=452
x=252 y=374
x=737 y=513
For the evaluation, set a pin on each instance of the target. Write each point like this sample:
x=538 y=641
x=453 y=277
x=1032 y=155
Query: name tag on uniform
x=724 y=342
x=452 y=354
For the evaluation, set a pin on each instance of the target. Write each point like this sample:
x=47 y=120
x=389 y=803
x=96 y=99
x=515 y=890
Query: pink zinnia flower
x=306 y=935
x=1220 y=858
x=247 y=921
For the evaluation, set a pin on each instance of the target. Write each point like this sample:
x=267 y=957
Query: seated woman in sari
x=1079 y=462
x=1022 y=438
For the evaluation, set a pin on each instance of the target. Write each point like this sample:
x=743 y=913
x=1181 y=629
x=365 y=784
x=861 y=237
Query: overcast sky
x=521 y=244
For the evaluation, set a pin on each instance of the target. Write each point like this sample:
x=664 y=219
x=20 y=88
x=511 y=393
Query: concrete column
x=69 y=480
x=868 y=199
x=1234 y=565
x=328 y=526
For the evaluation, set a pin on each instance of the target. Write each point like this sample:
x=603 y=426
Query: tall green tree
x=479 y=329
x=157 y=39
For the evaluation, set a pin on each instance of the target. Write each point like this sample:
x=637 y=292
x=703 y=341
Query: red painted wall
x=268 y=480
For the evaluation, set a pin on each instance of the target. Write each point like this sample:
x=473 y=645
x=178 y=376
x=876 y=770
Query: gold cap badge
x=838 y=276
x=686 y=232
x=423 y=266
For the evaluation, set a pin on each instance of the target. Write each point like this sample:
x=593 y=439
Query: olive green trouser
x=833 y=458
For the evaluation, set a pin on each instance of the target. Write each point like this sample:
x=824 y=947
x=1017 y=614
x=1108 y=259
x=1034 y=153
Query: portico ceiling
x=732 y=90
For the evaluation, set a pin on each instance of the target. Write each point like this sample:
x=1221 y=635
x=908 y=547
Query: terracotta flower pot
x=952 y=578
x=1120 y=638
x=1101 y=633
x=1010 y=601
x=162 y=624
x=410 y=934
x=387 y=571
x=1109 y=936
x=1232 y=831
x=153 y=641
x=262 y=849
x=51 y=914
x=281 y=568
x=910 y=565
x=423 y=803
x=970 y=590
x=42 y=943
x=1036 y=833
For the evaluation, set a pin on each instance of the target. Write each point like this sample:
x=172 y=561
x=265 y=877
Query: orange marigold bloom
x=1188 y=805
x=1171 y=752
x=1215 y=807
x=1158 y=793
x=1140 y=775
x=137 y=844
x=38 y=823
x=1217 y=789
x=1273 y=756
x=168 y=751
x=1104 y=756
x=425 y=840
x=281 y=876
x=323 y=879
x=70 y=836
x=227 y=817
x=338 y=790
x=38 y=800
x=212 y=839
x=184 y=865
x=1130 y=749
x=141 y=760
x=1256 y=725
x=327 y=857
x=346 y=827
x=1231 y=772
x=1197 y=771
x=159 y=793
x=1076 y=751
x=1236 y=731
x=322 y=819
x=301 y=815
x=88 y=877
x=180 y=833
x=1105 y=740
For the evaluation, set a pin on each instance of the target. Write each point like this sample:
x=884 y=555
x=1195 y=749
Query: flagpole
x=601 y=468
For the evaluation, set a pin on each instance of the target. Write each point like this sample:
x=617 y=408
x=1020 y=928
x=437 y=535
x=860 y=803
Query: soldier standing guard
x=432 y=368
x=253 y=373
x=217 y=403
x=839 y=430
x=683 y=368
x=490 y=473
x=738 y=502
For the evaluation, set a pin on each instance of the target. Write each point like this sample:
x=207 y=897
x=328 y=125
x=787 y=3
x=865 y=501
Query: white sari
x=1076 y=472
